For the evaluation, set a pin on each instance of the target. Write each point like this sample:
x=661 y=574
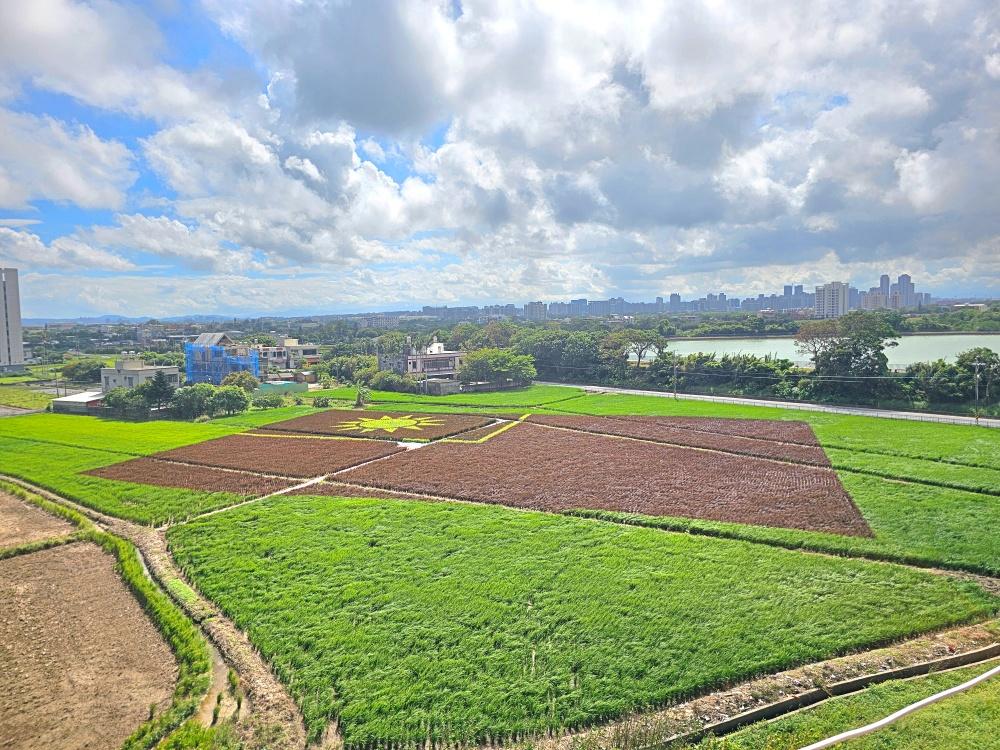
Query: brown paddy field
x=282 y=454
x=789 y=441
x=382 y=425
x=81 y=662
x=544 y=468
x=205 y=478
x=21 y=523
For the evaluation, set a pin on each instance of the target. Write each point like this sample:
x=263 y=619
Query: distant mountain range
x=123 y=320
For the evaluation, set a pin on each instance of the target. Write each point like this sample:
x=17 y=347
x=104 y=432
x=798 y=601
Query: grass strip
x=966 y=720
x=183 y=637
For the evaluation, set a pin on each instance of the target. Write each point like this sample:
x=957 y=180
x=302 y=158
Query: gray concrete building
x=11 y=343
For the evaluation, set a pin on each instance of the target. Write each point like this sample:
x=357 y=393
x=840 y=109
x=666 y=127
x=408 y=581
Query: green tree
x=989 y=371
x=260 y=339
x=230 y=399
x=193 y=400
x=124 y=402
x=242 y=379
x=497 y=366
x=157 y=391
x=86 y=370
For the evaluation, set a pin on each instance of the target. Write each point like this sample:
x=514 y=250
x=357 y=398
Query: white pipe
x=853 y=733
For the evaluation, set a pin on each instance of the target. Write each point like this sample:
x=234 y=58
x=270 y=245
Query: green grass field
x=408 y=620
x=966 y=721
x=56 y=468
x=23 y=398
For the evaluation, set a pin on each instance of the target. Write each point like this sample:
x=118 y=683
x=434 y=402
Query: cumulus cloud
x=527 y=150
x=42 y=158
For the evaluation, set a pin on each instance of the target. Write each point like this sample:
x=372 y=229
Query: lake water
x=910 y=349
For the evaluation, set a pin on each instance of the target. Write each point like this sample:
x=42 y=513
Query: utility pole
x=675 y=378
x=977 y=365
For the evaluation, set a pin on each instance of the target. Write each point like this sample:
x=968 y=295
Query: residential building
x=79 y=403
x=128 y=373
x=874 y=299
x=11 y=343
x=535 y=311
x=831 y=300
x=213 y=356
x=288 y=355
x=435 y=362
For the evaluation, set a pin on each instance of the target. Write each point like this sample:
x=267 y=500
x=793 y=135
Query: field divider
x=479 y=441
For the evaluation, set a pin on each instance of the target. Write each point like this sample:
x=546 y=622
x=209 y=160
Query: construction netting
x=210 y=364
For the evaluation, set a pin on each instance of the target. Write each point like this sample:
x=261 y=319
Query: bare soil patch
x=81 y=661
x=536 y=467
x=167 y=474
x=21 y=523
x=382 y=425
x=286 y=455
x=664 y=429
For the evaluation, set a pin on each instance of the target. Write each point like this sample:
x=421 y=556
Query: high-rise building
x=535 y=310
x=831 y=300
x=11 y=343
x=907 y=294
x=884 y=285
x=787 y=290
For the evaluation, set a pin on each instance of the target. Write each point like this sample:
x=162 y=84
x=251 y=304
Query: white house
x=128 y=373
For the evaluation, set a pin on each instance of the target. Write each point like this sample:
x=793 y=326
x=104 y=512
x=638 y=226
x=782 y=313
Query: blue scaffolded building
x=212 y=356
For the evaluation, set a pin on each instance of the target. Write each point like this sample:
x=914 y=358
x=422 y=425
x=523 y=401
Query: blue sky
x=186 y=157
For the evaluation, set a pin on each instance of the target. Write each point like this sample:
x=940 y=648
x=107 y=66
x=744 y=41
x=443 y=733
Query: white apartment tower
x=832 y=299
x=11 y=346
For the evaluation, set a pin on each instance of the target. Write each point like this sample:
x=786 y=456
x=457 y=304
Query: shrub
x=268 y=400
x=321 y=402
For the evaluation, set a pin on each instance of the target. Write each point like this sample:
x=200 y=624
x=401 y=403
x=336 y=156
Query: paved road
x=858 y=410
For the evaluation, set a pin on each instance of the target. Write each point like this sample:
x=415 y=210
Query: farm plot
x=167 y=474
x=541 y=468
x=339 y=489
x=382 y=425
x=82 y=664
x=788 y=441
x=409 y=621
x=21 y=523
x=285 y=455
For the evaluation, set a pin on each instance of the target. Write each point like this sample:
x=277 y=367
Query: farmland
x=380 y=425
x=499 y=622
x=513 y=570
x=529 y=467
x=71 y=635
x=282 y=454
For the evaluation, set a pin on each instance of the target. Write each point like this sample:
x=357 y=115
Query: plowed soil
x=167 y=474
x=767 y=443
x=346 y=422
x=21 y=522
x=287 y=455
x=535 y=467
x=81 y=662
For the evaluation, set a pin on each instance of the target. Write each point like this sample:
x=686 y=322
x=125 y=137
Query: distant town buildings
x=11 y=343
x=128 y=373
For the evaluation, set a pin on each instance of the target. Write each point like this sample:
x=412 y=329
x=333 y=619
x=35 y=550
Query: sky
x=180 y=157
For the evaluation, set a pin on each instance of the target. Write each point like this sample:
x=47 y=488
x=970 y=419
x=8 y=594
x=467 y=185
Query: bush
x=268 y=400
x=390 y=381
x=321 y=402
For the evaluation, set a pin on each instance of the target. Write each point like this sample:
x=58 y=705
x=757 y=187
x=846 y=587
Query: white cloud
x=67 y=254
x=42 y=158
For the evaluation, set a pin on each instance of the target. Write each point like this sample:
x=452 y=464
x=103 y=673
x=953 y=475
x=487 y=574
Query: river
x=913 y=348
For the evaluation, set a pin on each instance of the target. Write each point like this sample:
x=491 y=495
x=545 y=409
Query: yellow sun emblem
x=385 y=423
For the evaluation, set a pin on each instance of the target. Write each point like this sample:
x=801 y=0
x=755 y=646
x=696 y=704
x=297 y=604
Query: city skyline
x=208 y=156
